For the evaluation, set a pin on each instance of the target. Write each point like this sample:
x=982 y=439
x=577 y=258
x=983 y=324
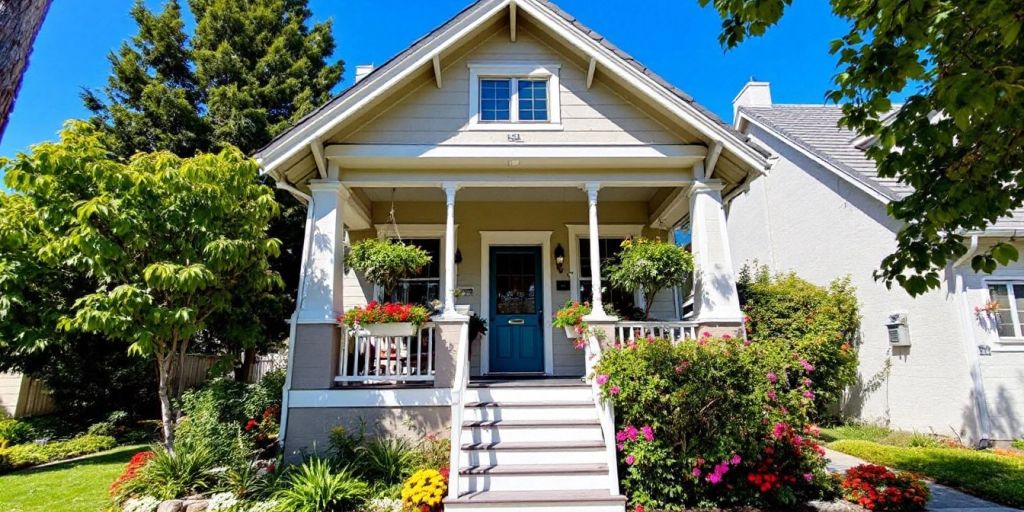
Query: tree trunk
x=648 y=304
x=163 y=364
x=244 y=366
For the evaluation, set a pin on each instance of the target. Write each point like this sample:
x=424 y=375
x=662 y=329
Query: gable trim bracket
x=437 y=69
x=712 y=159
x=316 y=146
x=512 y=21
x=590 y=72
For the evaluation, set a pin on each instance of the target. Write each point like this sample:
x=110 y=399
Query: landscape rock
x=170 y=506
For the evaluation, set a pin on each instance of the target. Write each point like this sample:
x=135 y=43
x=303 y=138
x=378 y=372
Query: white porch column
x=320 y=299
x=715 y=299
x=449 y=248
x=595 y=254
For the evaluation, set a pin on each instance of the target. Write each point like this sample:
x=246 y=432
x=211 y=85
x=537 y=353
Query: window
x=495 y=99
x=1010 y=298
x=511 y=95
x=425 y=287
x=624 y=301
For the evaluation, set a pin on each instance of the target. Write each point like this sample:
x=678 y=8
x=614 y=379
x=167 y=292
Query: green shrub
x=1018 y=444
x=32 y=454
x=711 y=421
x=817 y=324
x=316 y=487
x=173 y=475
x=14 y=432
x=387 y=461
x=434 y=451
x=650 y=266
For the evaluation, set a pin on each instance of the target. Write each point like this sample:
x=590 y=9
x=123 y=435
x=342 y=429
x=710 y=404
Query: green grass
x=880 y=435
x=987 y=475
x=71 y=486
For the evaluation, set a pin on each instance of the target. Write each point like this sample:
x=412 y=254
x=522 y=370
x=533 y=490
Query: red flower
x=251 y=425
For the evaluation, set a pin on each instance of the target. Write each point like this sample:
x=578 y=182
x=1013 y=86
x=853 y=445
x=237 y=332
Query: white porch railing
x=605 y=411
x=675 y=331
x=367 y=359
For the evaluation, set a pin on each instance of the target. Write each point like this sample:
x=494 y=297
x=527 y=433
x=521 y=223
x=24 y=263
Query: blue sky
x=676 y=38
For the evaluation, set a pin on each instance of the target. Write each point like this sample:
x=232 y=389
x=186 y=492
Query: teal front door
x=516 y=311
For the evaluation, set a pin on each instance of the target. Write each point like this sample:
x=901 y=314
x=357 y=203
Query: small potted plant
x=385 y=263
x=570 y=317
x=386 y=319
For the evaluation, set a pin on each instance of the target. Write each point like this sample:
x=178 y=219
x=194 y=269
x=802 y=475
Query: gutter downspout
x=982 y=420
x=282 y=183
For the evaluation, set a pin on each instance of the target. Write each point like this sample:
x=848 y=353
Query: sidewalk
x=944 y=499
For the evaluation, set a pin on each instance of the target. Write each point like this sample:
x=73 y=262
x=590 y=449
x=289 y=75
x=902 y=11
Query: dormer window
x=520 y=97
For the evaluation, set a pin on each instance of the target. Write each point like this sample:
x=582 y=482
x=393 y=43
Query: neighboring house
x=513 y=144
x=19 y=23
x=821 y=211
x=22 y=396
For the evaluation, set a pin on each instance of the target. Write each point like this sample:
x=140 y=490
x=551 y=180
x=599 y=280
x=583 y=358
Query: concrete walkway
x=944 y=499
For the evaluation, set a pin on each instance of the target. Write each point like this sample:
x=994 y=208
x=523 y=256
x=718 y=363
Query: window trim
x=514 y=71
x=419 y=231
x=579 y=232
x=1018 y=327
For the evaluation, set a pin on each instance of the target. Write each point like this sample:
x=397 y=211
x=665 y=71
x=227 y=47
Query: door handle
x=516 y=321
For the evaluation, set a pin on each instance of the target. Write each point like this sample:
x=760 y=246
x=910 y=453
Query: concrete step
x=532 y=477
x=533 y=452
x=583 y=500
x=481 y=411
x=553 y=430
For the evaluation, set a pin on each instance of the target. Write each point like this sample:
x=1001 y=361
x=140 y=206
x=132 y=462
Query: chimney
x=362 y=71
x=753 y=94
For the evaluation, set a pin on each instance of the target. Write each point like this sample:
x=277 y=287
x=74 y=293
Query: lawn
x=71 y=486
x=997 y=477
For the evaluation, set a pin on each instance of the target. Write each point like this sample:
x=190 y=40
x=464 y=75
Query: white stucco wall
x=803 y=217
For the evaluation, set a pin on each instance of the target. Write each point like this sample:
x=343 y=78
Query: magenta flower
x=696 y=472
x=648 y=433
x=683 y=366
x=772 y=377
x=726 y=337
x=809 y=477
x=808 y=382
x=631 y=432
x=735 y=461
x=620 y=436
x=630 y=460
x=602 y=380
x=621 y=446
x=809 y=394
x=772 y=395
x=615 y=390
x=779 y=430
x=747 y=342
x=808 y=367
x=715 y=478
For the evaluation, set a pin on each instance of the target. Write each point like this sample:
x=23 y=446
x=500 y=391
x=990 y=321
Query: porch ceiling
x=494 y=194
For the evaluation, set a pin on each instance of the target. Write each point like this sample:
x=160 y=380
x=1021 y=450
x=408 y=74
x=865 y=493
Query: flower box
x=390 y=329
x=571 y=332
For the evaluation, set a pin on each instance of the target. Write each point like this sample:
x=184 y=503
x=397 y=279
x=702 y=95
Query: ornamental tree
x=650 y=266
x=957 y=139
x=169 y=241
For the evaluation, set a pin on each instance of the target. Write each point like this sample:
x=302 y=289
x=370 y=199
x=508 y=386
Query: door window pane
x=495 y=99
x=515 y=283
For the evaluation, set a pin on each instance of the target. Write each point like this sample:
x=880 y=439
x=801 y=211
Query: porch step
x=508 y=396
x=583 y=500
x=533 y=452
x=494 y=431
x=518 y=477
x=576 y=410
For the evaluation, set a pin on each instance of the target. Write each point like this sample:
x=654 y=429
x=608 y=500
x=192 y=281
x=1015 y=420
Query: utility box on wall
x=899 y=332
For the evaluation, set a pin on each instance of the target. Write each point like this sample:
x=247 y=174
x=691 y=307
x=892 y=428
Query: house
x=929 y=363
x=22 y=396
x=513 y=144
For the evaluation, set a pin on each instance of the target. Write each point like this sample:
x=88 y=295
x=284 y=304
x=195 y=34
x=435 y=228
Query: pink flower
x=735 y=461
x=808 y=382
x=772 y=395
x=726 y=337
x=648 y=433
x=747 y=342
x=620 y=436
x=639 y=508
x=808 y=367
x=683 y=366
x=621 y=446
x=631 y=432
x=809 y=394
x=602 y=380
x=779 y=430
x=615 y=390
x=715 y=478
x=809 y=477
x=772 y=377
x=650 y=338
x=630 y=460
x=696 y=472
x=705 y=334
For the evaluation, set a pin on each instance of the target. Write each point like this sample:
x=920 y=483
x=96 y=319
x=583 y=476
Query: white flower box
x=570 y=332
x=390 y=329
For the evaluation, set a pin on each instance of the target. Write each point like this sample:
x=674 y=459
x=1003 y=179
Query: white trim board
x=514 y=238
x=370 y=397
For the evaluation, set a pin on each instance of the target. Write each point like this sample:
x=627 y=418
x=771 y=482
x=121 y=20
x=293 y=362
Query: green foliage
x=387 y=461
x=171 y=474
x=1018 y=444
x=13 y=432
x=316 y=487
x=699 y=419
x=818 y=325
x=32 y=454
x=169 y=241
x=882 y=435
x=964 y=60
x=216 y=415
x=984 y=474
x=650 y=266
x=385 y=262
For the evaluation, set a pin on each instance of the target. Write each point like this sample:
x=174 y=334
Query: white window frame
x=1018 y=327
x=579 y=232
x=514 y=71
x=418 y=231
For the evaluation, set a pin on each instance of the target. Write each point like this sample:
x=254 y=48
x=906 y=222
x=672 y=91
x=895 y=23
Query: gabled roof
x=815 y=129
x=291 y=144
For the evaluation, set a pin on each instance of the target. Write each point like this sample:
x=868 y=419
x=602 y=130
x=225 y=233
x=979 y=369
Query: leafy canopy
x=650 y=266
x=957 y=140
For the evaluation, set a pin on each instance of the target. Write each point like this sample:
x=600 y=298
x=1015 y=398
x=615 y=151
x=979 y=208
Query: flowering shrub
x=386 y=313
x=425 y=489
x=816 y=324
x=712 y=421
x=131 y=470
x=877 y=488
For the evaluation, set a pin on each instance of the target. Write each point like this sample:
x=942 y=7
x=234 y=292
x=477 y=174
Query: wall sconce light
x=559 y=258
x=458 y=256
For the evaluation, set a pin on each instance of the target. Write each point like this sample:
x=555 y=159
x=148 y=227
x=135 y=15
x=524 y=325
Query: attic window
x=519 y=97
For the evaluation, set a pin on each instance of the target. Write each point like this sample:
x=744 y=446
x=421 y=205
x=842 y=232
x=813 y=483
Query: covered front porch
x=511 y=247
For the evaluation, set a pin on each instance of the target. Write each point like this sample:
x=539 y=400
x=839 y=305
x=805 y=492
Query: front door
x=516 y=314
